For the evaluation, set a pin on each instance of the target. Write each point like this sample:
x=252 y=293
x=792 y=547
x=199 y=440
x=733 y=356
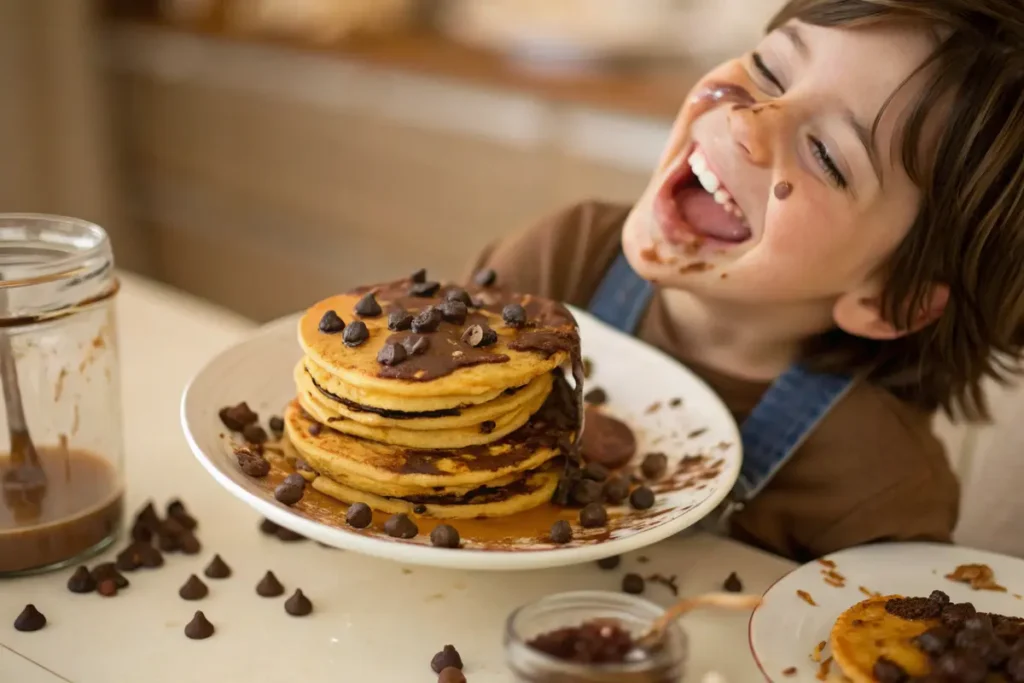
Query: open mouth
x=694 y=205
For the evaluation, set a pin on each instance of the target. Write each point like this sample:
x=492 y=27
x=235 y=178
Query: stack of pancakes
x=449 y=404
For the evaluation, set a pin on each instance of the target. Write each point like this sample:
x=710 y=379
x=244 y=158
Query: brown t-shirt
x=871 y=471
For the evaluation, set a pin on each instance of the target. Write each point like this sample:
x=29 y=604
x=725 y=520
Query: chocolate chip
x=217 y=569
x=287 y=535
x=199 y=628
x=268 y=527
x=416 y=344
x=254 y=434
x=561 y=532
x=962 y=667
x=189 y=544
x=315 y=429
x=291 y=489
x=127 y=560
x=193 y=589
x=298 y=605
x=176 y=508
x=277 y=424
x=150 y=557
x=107 y=570
x=445 y=536
x=633 y=584
x=654 y=465
x=141 y=533
x=595 y=471
x=331 y=323
x=588 y=368
x=979 y=622
x=460 y=295
x=107 y=588
x=269 y=586
x=486 y=278
x=424 y=289
x=593 y=515
x=359 y=515
x=984 y=644
x=888 y=671
x=642 y=498
x=419 y=276
x=237 y=417
x=454 y=312
x=367 y=307
x=303 y=466
x=514 y=315
x=935 y=641
x=487 y=426
x=609 y=562
x=169 y=544
x=939 y=597
x=420 y=509
x=451 y=675
x=586 y=491
x=391 y=354
x=616 y=490
x=1015 y=668
x=448 y=657
x=355 y=333
x=563 y=490
x=399 y=320
x=428 y=320
x=81 y=581
x=956 y=614
x=733 y=584
x=400 y=526
x=30 y=619
x=252 y=464
x=596 y=397
x=479 y=336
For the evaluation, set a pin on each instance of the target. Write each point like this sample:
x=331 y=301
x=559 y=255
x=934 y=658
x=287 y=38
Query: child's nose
x=752 y=130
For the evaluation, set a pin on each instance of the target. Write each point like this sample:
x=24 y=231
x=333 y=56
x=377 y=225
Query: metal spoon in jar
x=653 y=638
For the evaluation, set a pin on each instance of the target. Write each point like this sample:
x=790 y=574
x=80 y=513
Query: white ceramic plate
x=641 y=384
x=785 y=629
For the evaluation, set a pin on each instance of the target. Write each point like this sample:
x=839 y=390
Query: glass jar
x=567 y=610
x=61 y=460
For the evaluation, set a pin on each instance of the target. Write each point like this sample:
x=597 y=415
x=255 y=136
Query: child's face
x=807 y=209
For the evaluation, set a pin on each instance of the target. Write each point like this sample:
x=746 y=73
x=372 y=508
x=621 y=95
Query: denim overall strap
x=779 y=424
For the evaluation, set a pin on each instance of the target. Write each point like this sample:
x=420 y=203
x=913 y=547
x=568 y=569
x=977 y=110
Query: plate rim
x=461 y=558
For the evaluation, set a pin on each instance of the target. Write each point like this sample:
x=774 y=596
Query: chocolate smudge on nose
x=783 y=189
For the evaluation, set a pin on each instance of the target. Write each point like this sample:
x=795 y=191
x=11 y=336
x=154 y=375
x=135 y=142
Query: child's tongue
x=709 y=218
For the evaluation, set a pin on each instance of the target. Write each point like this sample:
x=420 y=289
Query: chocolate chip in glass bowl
x=642 y=498
x=424 y=290
x=416 y=344
x=448 y=657
x=479 y=336
x=616 y=490
x=331 y=323
x=367 y=306
x=400 y=526
x=454 y=312
x=460 y=295
x=486 y=278
x=561 y=532
x=359 y=515
x=514 y=315
x=654 y=465
x=593 y=516
x=392 y=354
x=290 y=491
x=237 y=417
x=428 y=320
x=355 y=333
x=399 y=320
x=633 y=584
x=445 y=536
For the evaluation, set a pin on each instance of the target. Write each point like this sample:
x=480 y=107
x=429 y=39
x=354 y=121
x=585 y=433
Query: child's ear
x=860 y=313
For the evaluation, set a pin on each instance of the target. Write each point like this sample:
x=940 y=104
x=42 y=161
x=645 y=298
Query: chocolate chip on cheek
x=888 y=671
x=359 y=515
x=254 y=434
x=654 y=465
x=445 y=536
x=419 y=276
x=593 y=515
x=29 y=620
x=454 y=312
x=331 y=323
x=291 y=489
x=616 y=490
x=428 y=320
x=514 y=315
x=448 y=657
x=400 y=526
x=367 y=307
x=642 y=498
x=609 y=563
x=486 y=278
x=633 y=584
x=424 y=289
x=487 y=427
x=460 y=295
x=561 y=532
x=416 y=344
x=252 y=464
x=399 y=320
x=392 y=354
x=596 y=397
x=355 y=333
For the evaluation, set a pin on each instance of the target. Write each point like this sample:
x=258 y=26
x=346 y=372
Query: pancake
x=532 y=491
x=312 y=381
x=450 y=370
x=395 y=491
x=867 y=631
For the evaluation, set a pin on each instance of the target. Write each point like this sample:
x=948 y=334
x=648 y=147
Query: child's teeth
x=710 y=181
x=722 y=197
x=698 y=163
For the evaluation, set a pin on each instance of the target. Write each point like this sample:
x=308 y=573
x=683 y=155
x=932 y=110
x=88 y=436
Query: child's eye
x=766 y=72
x=820 y=152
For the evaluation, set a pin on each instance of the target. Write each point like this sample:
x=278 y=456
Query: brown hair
x=969 y=234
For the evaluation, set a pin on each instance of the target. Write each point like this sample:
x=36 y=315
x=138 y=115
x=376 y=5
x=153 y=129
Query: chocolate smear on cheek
x=698 y=267
x=783 y=190
x=650 y=254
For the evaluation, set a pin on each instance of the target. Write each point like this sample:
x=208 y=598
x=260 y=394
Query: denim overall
x=787 y=413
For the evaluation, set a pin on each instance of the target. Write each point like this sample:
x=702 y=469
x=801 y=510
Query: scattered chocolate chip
x=269 y=586
x=254 y=434
x=984 y=644
x=675 y=402
x=355 y=333
x=479 y=336
x=633 y=584
x=189 y=544
x=654 y=465
x=514 y=315
x=237 y=417
x=486 y=278
x=424 y=289
x=588 y=368
x=199 y=628
x=107 y=570
x=252 y=464
x=287 y=535
x=595 y=471
x=107 y=588
x=268 y=527
x=586 y=491
x=451 y=675
x=391 y=354
x=962 y=667
x=399 y=320
x=954 y=615
x=888 y=671
x=291 y=489
x=81 y=581
x=935 y=641
x=30 y=619
x=616 y=490
x=416 y=344
x=277 y=424
x=593 y=515
x=367 y=307
x=445 y=536
x=315 y=429
x=487 y=426
x=127 y=560
x=454 y=312
x=596 y=397
x=448 y=657
x=150 y=557
x=298 y=605
x=141 y=533
x=169 y=544
x=176 y=508
x=428 y=320
x=193 y=589
x=217 y=569
x=331 y=323
x=419 y=276
x=359 y=515
x=1015 y=667
x=460 y=295
x=939 y=597
x=609 y=562
x=561 y=532
x=733 y=584
x=642 y=498
x=400 y=526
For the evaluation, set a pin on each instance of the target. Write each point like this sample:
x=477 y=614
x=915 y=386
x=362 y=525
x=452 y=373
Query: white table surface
x=373 y=620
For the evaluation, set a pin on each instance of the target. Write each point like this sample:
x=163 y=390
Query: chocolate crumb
x=331 y=323
x=268 y=527
x=217 y=569
x=237 y=417
x=642 y=498
x=355 y=333
x=81 y=581
x=269 y=586
x=193 y=589
x=561 y=532
x=290 y=491
x=654 y=465
x=593 y=515
x=107 y=588
x=298 y=605
x=675 y=402
x=486 y=278
x=420 y=509
x=199 y=628
x=633 y=584
x=367 y=306
x=254 y=434
x=696 y=433
x=424 y=290
x=359 y=515
x=254 y=465
x=791 y=671
x=913 y=609
x=400 y=526
x=588 y=368
x=733 y=584
x=448 y=657
x=806 y=597
x=29 y=620
x=609 y=562
x=445 y=536
x=653 y=408
x=451 y=675
x=596 y=397
x=487 y=426
x=666 y=581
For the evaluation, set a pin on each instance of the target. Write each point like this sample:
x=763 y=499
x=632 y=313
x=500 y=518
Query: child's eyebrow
x=793 y=33
x=866 y=139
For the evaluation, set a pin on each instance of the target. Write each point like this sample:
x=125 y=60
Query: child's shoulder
x=562 y=256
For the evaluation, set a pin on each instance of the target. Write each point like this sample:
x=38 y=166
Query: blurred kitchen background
x=264 y=153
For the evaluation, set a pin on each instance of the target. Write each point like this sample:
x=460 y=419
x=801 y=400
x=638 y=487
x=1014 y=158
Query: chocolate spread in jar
x=80 y=506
